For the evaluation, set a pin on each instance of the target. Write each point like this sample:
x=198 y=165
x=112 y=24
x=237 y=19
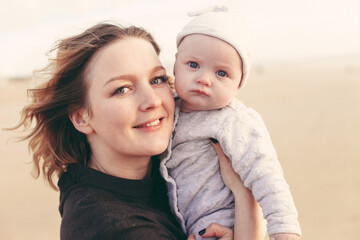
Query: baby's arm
x=247 y=143
x=248 y=216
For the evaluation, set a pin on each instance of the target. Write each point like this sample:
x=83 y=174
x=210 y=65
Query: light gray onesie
x=190 y=167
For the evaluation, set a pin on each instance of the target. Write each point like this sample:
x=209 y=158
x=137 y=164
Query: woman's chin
x=159 y=148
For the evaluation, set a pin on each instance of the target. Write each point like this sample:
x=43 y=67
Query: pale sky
x=281 y=30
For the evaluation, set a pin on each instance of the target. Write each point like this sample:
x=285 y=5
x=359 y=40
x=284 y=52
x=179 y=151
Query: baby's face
x=207 y=73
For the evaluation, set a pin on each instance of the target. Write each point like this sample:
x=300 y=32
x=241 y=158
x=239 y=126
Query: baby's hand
x=284 y=236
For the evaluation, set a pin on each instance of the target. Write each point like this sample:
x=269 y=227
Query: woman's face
x=131 y=103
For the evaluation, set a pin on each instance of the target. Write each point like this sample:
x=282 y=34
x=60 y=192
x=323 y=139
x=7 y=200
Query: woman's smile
x=150 y=124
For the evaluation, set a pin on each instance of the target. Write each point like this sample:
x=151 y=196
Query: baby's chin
x=200 y=109
x=197 y=107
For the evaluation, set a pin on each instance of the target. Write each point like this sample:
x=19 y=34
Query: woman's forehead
x=123 y=57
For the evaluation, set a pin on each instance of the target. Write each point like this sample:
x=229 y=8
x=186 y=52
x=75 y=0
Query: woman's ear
x=80 y=120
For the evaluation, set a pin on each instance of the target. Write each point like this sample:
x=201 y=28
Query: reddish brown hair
x=53 y=140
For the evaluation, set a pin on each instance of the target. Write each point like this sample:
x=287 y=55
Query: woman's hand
x=231 y=179
x=215 y=230
x=248 y=217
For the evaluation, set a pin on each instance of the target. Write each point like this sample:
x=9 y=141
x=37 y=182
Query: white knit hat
x=222 y=25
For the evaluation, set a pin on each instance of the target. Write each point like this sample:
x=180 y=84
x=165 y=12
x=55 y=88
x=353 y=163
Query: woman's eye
x=193 y=64
x=121 y=90
x=159 y=80
x=221 y=73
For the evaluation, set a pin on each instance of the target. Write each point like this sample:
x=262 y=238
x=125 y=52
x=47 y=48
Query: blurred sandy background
x=312 y=111
x=305 y=83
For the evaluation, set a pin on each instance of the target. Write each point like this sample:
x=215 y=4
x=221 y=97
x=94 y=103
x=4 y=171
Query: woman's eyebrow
x=131 y=76
x=157 y=68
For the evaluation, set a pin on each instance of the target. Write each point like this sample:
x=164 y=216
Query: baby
x=212 y=63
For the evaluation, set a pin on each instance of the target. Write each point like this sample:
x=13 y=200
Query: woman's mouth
x=150 y=124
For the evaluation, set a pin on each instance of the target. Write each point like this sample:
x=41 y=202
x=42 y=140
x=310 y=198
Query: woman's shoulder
x=91 y=211
x=84 y=215
x=96 y=214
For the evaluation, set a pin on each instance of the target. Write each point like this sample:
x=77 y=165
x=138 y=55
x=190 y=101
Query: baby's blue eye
x=221 y=73
x=193 y=64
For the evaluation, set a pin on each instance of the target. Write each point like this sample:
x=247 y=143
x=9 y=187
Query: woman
x=106 y=110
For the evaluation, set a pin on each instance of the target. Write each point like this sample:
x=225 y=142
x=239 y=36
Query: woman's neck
x=134 y=169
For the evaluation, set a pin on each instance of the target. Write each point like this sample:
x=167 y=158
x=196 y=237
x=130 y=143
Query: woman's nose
x=204 y=78
x=150 y=99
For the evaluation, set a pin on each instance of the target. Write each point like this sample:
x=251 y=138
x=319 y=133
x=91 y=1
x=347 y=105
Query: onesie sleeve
x=246 y=141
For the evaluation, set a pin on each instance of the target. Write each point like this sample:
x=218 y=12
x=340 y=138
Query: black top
x=94 y=205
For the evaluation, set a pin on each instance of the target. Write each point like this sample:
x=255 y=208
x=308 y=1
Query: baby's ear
x=241 y=79
x=80 y=120
x=174 y=64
